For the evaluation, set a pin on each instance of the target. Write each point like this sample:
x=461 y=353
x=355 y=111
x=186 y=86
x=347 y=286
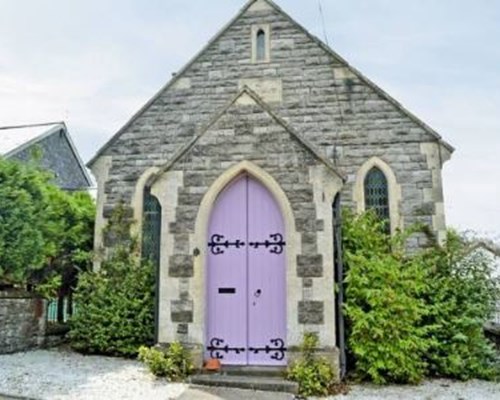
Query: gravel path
x=439 y=389
x=64 y=375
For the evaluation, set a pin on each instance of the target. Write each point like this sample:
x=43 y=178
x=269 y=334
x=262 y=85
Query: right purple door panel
x=246 y=280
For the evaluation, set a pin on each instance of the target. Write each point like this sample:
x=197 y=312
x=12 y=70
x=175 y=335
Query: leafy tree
x=22 y=243
x=45 y=233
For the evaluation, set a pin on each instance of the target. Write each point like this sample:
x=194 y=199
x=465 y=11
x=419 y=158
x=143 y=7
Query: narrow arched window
x=377 y=194
x=151 y=228
x=260 y=45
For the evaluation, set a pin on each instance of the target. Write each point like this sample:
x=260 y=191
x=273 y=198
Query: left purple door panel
x=227 y=293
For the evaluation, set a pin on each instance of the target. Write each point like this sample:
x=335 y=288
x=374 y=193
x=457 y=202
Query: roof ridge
x=32 y=125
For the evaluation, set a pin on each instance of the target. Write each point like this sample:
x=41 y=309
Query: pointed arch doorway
x=246 y=277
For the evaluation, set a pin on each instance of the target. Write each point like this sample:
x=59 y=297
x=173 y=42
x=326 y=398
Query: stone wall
x=246 y=138
x=342 y=113
x=22 y=322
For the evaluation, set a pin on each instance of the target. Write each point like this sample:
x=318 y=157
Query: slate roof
x=15 y=139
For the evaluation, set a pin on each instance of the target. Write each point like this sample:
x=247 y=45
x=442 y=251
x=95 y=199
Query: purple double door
x=246 y=278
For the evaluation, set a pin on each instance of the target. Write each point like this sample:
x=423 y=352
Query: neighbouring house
x=23 y=315
x=51 y=145
x=234 y=173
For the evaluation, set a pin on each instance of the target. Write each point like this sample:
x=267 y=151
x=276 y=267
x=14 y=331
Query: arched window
x=151 y=228
x=261 y=45
x=377 y=194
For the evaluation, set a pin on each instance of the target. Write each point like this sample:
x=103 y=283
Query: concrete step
x=246 y=370
x=271 y=384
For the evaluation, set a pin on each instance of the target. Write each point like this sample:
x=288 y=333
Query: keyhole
x=257 y=293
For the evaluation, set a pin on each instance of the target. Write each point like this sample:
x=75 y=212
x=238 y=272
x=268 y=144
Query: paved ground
x=201 y=393
x=63 y=375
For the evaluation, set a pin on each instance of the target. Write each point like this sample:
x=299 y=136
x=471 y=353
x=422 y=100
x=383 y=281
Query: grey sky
x=93 y=63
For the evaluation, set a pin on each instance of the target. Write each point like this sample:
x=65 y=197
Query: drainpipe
x=339 y=281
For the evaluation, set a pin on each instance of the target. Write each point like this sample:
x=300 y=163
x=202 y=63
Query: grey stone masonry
x=311 y=312
x=307 y=121
x=257 y=137
x=342 y=113
x=22 y=322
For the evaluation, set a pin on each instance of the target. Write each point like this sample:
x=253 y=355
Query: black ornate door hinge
x=276 y=243
x=217 y=347
x=217 y=244
x=277 y=349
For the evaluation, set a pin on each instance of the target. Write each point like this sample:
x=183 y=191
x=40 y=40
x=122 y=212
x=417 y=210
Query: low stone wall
x=22 y=322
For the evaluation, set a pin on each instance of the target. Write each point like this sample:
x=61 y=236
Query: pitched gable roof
x=325 y=47
x=246 y=91
x=14 y=139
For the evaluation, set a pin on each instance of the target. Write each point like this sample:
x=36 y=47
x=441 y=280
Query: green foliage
x=69 y=234
x=115 y=304
x=174 y=363
x=315 y=375
x=44 y=232
x=384 y=305
x=23 y=199
x=417 y=314
x=462 y=294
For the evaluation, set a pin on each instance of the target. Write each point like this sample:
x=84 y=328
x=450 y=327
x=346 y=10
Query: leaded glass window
x=261 y=45
x=377 y=194
x=151 y=228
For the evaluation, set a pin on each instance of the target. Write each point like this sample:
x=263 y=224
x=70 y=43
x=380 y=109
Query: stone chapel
x=234 y=173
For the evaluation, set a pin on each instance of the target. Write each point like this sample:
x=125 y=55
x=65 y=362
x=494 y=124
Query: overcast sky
x=93 y=63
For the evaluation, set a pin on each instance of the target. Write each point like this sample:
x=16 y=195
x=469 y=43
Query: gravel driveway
x=64 y=375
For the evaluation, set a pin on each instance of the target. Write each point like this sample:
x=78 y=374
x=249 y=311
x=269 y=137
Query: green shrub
x=462 y=296
x=175 y=363
x=115 y=313
x=315 y=375
x=415 y=314
x=383 y=305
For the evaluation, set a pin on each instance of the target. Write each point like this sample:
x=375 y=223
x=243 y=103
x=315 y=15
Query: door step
x=252 y=382
x=252 y=370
